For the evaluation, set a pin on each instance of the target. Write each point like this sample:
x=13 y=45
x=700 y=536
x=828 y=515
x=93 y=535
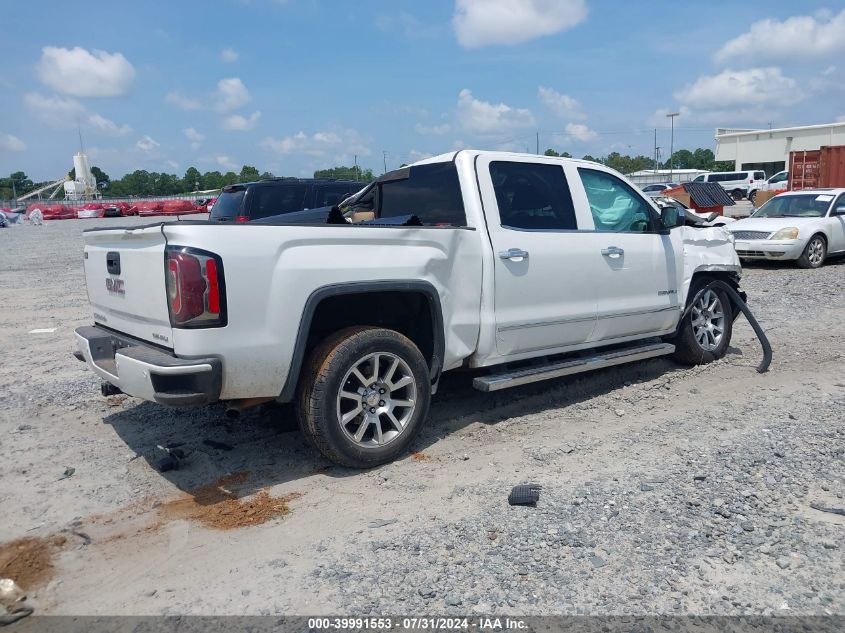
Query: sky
x=290 y=86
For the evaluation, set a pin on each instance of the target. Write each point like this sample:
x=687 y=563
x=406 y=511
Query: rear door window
x=430 y=192
x=533 y=196
x=229 y=204
x=270 y=200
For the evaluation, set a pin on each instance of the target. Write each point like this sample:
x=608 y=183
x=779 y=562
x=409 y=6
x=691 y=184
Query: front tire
x=815 y=252
x=737 y=194
x=752 y=197
x=705 y=331
x=364 y=396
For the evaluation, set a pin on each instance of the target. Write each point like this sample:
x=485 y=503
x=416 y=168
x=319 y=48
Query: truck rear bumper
x=144 y=371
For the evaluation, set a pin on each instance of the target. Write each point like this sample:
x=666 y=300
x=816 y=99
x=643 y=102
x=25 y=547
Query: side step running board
x=526 y=375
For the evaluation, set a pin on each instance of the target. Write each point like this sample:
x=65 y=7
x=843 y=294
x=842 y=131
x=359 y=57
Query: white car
x=805 y=226
x=658 y=188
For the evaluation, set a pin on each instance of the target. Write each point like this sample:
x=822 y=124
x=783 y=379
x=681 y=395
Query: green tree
x=551 y=152
x=346 y=173
x=267 y=175
x=248 y=174
x=192 y=179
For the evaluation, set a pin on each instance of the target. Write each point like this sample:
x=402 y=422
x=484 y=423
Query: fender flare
x=363 y=287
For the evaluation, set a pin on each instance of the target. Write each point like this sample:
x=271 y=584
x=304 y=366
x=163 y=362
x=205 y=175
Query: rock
x=699 y=477
x=381 y=523
x=646 y=488
x=426 y=592
x=619 y=412
x=453 y=600
x=597 y=561
x=783 y=562
x=748 y=526
x=465 y=457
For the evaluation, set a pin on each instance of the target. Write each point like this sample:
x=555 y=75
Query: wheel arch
x=326 y=300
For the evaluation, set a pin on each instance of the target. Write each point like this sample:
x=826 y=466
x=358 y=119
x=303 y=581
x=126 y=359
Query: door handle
x=612 y=251
x=514 y=254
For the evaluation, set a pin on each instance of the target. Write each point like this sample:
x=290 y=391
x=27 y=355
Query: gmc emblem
x=115 y=286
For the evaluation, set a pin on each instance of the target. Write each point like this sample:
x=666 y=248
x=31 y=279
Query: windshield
x=228 y=205
x=800 y=206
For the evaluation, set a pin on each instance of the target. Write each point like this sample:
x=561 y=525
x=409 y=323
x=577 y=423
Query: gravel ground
x=664 y=489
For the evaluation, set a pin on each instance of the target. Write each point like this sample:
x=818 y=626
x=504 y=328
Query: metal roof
x=708 y=194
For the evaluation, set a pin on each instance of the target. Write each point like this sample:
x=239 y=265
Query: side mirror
x=839 y=210
x=671 y=217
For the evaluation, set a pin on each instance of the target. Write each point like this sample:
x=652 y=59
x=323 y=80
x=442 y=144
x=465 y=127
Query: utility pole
x=384 y=156
x=538 y=142
x=356 y=168
x=655 y=150
x=672 y=116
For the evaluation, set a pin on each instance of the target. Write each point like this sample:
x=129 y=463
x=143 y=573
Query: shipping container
x=811 y=169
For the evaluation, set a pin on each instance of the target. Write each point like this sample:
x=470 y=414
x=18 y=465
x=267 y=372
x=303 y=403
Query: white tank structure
x=84 y=185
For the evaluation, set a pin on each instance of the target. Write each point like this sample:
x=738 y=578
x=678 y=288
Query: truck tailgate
x=124 y=271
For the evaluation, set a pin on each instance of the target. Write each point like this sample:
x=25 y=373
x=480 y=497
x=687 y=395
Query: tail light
x=241 y=218
x=196 y=292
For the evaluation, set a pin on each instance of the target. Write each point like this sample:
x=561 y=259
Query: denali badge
x=663 y=293
x=115 y=286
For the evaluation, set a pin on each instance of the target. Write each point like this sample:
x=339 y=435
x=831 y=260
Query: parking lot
x=709 y=490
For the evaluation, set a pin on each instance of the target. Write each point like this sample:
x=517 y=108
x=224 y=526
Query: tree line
x=151 y=183
x=700 y=158
x=144 y=183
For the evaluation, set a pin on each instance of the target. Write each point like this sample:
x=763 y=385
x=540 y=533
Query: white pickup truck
x=530 y=267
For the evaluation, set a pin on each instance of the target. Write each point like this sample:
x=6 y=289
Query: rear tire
x=737 y=194
x=752 y=197
x=815 y=253
x=705 y=332
x=364 y=396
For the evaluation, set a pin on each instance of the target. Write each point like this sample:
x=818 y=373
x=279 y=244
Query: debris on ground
x=219 y=505
x=29 y=561
x=173 y=459
x=222 y=446
x=815 y=505
x=12 y=602
x=68 y=472
x=524 y=495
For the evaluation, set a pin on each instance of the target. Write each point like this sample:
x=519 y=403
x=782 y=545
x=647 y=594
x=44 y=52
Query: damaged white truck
x=521 y=267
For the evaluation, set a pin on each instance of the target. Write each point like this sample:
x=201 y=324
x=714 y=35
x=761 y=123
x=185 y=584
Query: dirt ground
x=664 y=489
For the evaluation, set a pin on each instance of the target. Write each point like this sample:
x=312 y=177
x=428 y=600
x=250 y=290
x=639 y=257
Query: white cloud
x=181 y=101
x=828 y=71
x=147 y=144
x=173 y=164
x=745 y=89
x=801 y=36
x=482 y=117
x=194 y=137
x=107 y=126
x=55 y=111
x=11 y=143
x=432 y=130
x=240 y=123
x=229 y=55
x=338 y=143
x=484 y=22
x=78 y=72
x=559 y=104
x=408 y=24
x=64 y=112
x=225 y=162
x=579 y=132
x=418 y=155
x=230 y=95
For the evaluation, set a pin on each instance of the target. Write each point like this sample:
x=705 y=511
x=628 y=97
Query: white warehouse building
x=769 y=149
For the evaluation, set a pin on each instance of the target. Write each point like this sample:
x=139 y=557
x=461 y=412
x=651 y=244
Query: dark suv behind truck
x=255 y=200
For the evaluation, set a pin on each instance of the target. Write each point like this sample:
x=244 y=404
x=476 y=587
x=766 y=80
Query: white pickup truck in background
x=534 y=267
